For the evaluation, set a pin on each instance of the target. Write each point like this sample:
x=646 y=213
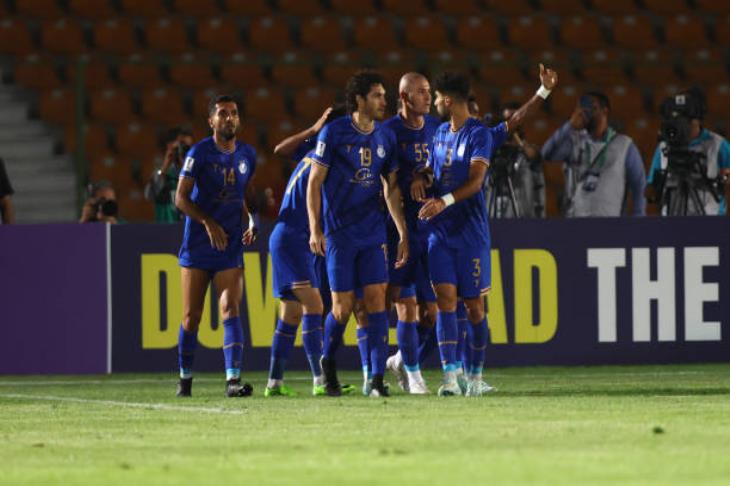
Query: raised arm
x=549 y=80
x=394 y=201
x=288 y=146
x=314 y=208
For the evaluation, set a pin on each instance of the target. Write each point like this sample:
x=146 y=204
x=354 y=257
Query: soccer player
x=409 y=285
x=211 y=192
x=354 y=160
x=295 y=276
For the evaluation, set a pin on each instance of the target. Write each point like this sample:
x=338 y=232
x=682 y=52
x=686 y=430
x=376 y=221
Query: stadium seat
x=39 y=9
x=280 y=129
x=654 y=66
x=558 y=59
x=355 y=9
x=485 y=97
x=582 y=32
x=152 y=9
x=36 y=72
x=478 y=33
x=167 y=35
x=541 y=128
x=686 y=32
x=713 y=7
x=563 y=8
x=134 y=207
x=704 y=67
x=111 y=106
x=190 y=71
x=604 y=68
x=92 y=9
x=247 y=8
x=426 y=32
x=718 y=99
x=404 y=8
x=722 y=30
x=458 y=7
x=219 y=34
x=57 y=106
x=322 y=33
x=96 y=72
x=311 y=102
x=511 y=8
x=339 y=67
x=529 y=32
x=15 y=38
x=200 y=100
x=137 y=139
x=446 y=60
x=502 y=75
x=242 y=72
x=391 y=65
x=113 y=168
x=627 y=101
x=644 y=131
x=265 y=105
x=666 y=7
x=375 y=33
x=116 y=36
x=564 y=100
x=139 y=71
x=96 y=139
x=301 y=8
x=294 y=71
x=615 y=7
x=163 y=105
x=196 y=8
x=270 y=34
x=63 y=36
x=515 y=93
x=634 y=32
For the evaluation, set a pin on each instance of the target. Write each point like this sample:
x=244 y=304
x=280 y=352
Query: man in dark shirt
x=7 y=214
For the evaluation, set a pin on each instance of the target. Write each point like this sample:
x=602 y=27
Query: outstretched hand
x=548 y=77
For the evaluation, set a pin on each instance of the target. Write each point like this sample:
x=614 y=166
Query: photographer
x=101 y=204
x=163 y=185
x=691 y=164
x=600 y=164
x=521 y=162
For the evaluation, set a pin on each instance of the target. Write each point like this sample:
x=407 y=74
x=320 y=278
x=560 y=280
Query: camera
x=107 y=207
x=505 y=159
x=677 y=112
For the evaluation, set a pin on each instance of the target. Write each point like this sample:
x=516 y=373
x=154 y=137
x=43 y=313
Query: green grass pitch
x=587 y=425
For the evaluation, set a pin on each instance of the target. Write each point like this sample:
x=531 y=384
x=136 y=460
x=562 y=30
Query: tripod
x=683 y=182
x=501 y=195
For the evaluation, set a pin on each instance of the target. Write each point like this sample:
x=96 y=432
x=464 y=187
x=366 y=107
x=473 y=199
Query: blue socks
x=333 y=332
x=232 y=347
x=427 y=340
x=363 y=346
x=378 y=340
x=447 y=334
x=312 y=338
x=284 y=336
x=478 y=345
x=186 y=344
x=407 y=333
x=462 y=323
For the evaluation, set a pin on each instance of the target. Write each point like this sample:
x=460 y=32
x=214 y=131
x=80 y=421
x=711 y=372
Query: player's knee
x=341 y=311
x=312 y=303
x=446 y=302
x=407 y=310
x=228 y=306
x=474 y=310
x=191 y=321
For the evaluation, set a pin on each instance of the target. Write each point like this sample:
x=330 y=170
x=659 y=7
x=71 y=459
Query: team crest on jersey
x=320 y=148
x=461 y=150
x=242 y=167
x=381 y=151
x=188 y=165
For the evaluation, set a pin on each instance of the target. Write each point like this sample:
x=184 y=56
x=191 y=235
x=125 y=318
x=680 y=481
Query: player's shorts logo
x=242 y=167
x=381 y=151
x=461 y=150
x=188 y=165
x=320 y=148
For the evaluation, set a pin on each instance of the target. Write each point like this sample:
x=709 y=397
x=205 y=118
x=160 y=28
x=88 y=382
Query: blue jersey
x=413 y=149
x=464 y=223
x=220 y=184
x=352 y=204
x=499 y=135
x=293 y=211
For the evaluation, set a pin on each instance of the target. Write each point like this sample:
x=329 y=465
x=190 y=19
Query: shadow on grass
x=618 y=392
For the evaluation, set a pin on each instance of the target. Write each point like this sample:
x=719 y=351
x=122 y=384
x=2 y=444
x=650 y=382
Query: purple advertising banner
x=564 y=292
x=53 y=299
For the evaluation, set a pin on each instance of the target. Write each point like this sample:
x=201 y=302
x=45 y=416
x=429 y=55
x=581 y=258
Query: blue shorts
x=292 y=262
x=349 y=268
x=213 y=263
x=412 y=278
x=468 y=268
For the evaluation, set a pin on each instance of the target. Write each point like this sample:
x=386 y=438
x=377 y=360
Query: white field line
x=114 y=403
x=173 y=379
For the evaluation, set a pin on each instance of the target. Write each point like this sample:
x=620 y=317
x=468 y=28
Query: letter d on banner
x=526 y=330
